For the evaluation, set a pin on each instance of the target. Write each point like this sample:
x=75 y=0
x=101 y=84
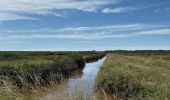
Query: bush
x=78 y=59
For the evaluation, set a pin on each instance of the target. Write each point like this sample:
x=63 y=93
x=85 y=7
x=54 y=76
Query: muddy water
x=80 y=84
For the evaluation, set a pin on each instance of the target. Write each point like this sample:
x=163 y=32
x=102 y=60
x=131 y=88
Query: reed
x=135 y=77
x=32 y=70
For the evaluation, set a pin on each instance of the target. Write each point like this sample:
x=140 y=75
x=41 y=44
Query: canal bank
x=80 y=84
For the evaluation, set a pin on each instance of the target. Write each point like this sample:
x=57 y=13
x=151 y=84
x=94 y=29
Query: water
x=80 y=84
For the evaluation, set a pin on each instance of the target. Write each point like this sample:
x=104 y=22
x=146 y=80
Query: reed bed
x=33 y=70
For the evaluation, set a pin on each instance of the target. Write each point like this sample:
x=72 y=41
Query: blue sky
x=52 y=25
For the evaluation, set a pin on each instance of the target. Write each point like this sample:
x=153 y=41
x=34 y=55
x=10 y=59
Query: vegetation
x=31 y=70
x=38 y=72
x=9 y=91
x=140 y=76
x=93 y=57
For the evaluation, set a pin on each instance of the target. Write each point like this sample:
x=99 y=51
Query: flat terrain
x=136 y=76
x=127 y=75
x=21 y=71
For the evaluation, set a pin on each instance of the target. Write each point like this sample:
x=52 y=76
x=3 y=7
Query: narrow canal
x=80 y=84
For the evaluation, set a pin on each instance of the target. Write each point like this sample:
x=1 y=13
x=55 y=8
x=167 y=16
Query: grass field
x=136 y=76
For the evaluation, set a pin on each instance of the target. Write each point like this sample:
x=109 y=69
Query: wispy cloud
x=10 y=16
x=118 y=27
x=119 y=10
x=165 y=10
x=93 y=36
x=126 y=9
x=79 y=29
x=154 y=32
x=85 y=33
x=19 y=9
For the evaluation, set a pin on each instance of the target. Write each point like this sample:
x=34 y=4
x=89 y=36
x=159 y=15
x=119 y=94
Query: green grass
x=135 y=77
x=31 y=70
x=124 y=74
x=93 y=57
x=35 y=71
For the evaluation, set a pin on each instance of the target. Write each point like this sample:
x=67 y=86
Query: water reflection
x=80 y=83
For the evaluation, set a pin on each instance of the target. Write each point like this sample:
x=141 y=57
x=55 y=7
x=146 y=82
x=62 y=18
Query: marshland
x=136 y=75
x=24 y=71
x=86 y=75
x=84 y=49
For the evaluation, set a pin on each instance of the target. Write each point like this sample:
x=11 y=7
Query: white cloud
x=17 y=8
x=84 y=33
x=83 y=36
x=10 y=16
x=118 y=10
x=93 y=36
x=154 y=32
x=118 y=27
x=131 y=8
x=79 y=29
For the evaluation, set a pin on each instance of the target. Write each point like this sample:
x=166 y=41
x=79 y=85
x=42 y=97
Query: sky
x=64 y=25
